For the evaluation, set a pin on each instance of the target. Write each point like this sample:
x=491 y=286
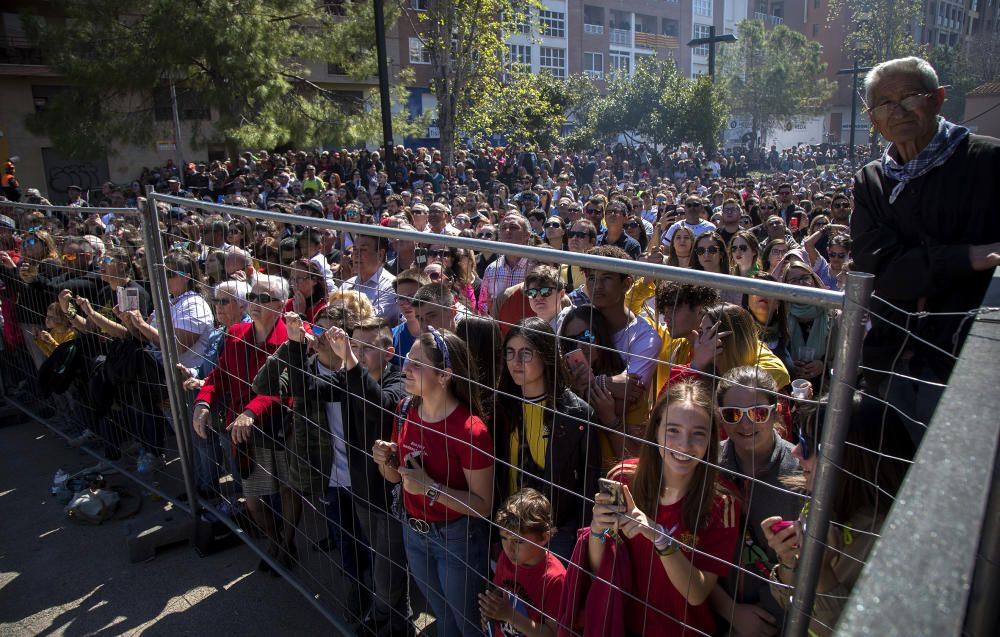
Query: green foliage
x=774 y=76
x=529 y=109
x=245 y=60
x=655 y=104
x=879 y=30
x=470 y=76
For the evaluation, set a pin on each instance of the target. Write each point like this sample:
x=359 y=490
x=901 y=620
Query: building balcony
x=18 y=50
x=653 y=41
x=593 y=29
x=771 y=20
x=620 y=37
x=594 y=75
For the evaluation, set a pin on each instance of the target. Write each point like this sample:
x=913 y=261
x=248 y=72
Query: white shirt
x=324 y=267
x=378 y=289
x=639 y=344
x=191 y=313
x=698 y=229
x=340 y=473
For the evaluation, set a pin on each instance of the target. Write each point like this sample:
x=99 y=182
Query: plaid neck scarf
x=947 y=139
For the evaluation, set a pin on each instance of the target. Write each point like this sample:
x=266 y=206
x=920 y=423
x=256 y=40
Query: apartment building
x=593 y=37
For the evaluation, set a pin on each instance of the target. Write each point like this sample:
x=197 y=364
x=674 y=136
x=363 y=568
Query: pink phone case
x=777 y=527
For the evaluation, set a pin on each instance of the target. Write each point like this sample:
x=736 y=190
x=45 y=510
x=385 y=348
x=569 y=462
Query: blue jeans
x=449 y=564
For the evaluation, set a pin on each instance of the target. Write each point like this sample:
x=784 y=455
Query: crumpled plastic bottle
x=59 y=480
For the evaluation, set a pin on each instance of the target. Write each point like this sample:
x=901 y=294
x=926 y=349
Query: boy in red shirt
x=529 y=578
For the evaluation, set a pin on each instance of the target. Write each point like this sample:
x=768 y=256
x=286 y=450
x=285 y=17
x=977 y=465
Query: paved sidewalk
x=58 y=577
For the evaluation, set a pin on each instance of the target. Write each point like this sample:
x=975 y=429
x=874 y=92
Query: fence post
x=857 y=295
x=168 y=346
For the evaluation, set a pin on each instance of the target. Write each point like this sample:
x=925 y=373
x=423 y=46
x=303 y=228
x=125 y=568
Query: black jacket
x=369 y=407
x=573 y=464
x=918 y=250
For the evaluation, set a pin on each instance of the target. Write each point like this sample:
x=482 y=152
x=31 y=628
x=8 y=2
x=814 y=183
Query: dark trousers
x=391 y=615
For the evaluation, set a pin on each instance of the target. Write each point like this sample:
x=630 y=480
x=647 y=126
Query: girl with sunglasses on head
x=544 y=436
x=754 y=459
x=442 y=453
x=875 y=458
x=671 y=517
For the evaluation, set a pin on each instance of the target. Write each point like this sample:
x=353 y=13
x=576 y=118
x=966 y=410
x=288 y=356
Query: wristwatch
x=433 y=493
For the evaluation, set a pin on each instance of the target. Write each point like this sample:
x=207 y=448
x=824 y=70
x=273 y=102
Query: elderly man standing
x=926 y=225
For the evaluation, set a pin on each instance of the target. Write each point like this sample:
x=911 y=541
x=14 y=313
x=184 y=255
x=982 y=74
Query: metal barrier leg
x=168 y=346
x=858 y=293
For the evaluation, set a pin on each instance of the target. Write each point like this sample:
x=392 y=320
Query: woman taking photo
x=678 y=528
x=308 y=290
x=744 y=252
x=534 y=399
x=442 y=454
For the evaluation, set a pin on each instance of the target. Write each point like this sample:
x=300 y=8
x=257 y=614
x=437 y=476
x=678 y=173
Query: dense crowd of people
x=617 y=455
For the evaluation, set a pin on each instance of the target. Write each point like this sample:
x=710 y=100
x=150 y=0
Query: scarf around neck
x=941 y=148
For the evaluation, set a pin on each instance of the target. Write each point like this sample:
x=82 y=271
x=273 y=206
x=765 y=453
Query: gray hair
x=902 y=66
x=275 y=285
x=236 y=289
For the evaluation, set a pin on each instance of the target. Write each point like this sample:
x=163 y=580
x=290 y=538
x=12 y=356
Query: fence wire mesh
x=521 y=445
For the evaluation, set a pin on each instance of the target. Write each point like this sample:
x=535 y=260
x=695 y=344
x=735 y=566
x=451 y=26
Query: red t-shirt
x=460 y=441
x=655 y=607
x=530 y=588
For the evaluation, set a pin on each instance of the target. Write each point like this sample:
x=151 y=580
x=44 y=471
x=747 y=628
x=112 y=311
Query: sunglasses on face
x=521 y=355
x=438 y=253
x=632 y=225
x=552 y=225
x=575 y=209
x=30 y=242
x=701 y=250
x=842 y=205
x=578 y=234
x=583 y=337
x=253 y=297
x=755 y=414
x=222 y=301
x=593 y=211
x=693 y=204
x=740 y=248
x=545 y=292
x=485 y=235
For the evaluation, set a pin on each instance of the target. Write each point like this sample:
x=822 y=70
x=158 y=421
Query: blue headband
x=439 y=341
